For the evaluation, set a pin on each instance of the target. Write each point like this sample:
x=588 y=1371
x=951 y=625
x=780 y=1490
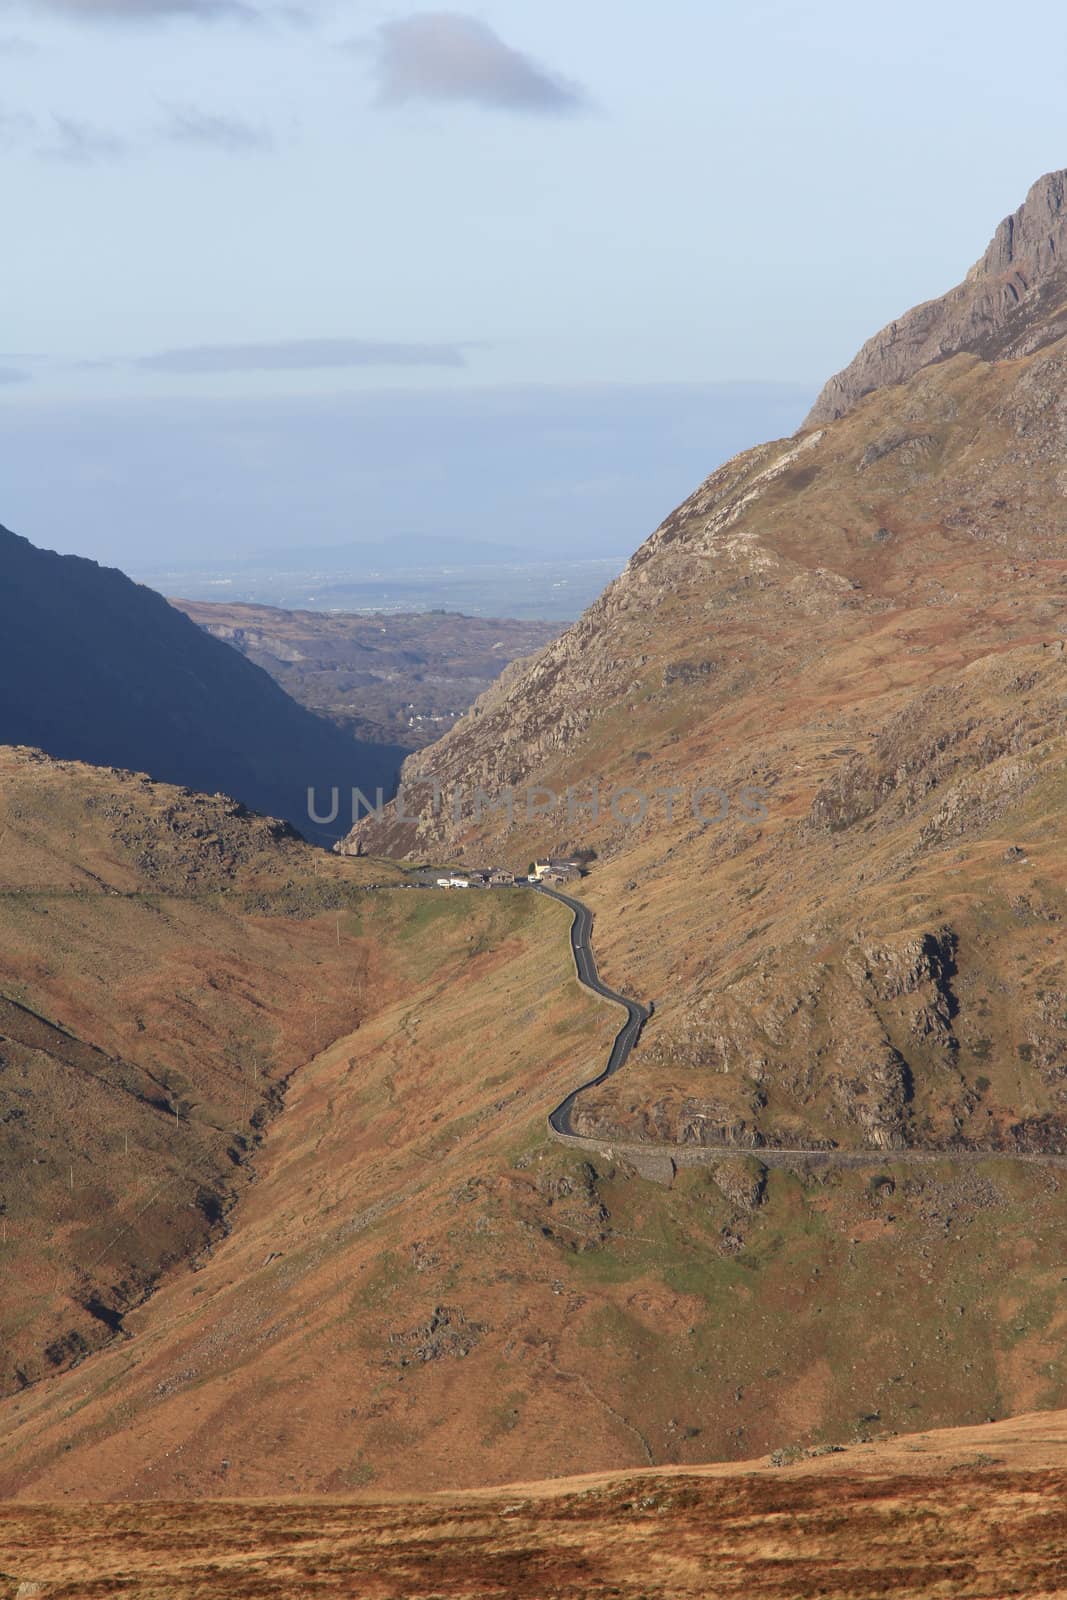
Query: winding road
x=636 y=1014
x=660 y=1161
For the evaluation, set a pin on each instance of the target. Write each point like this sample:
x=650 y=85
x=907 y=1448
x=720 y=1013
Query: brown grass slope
x=421 y=1291
x=977 y=1513
x=165 y=963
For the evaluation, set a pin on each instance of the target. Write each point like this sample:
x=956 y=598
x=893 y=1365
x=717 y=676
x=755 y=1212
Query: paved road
x=636 y=1015
x=675 y=1155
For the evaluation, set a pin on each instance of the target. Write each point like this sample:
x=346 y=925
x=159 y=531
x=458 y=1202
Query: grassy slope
x=165 y=963
x=420 y=1291
x=974 y=1514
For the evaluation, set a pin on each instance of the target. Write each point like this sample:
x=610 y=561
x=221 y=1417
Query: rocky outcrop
x=743 y=1181
x=448 y=1334
x=1008 y=304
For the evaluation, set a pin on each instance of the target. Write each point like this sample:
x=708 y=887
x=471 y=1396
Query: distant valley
x=401 y=680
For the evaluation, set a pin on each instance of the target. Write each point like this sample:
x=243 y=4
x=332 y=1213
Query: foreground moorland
x=977 y=1514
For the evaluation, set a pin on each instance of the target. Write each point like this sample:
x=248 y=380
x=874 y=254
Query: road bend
x=637 y=1015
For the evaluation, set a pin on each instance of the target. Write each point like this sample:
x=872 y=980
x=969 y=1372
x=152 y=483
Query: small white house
x=554 y=871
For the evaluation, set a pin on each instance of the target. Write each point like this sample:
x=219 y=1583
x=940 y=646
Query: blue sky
x=246 y=205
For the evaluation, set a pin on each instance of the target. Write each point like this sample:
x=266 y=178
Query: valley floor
x=974 y=1513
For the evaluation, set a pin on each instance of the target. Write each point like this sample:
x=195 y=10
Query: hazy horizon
x=584 y=472
x=236 y=223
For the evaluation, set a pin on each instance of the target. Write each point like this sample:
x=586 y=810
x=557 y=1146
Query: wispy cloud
x=13 y=375
x=448 y=56
x=149 y=10
x=208 y=130
x=296 y=355
x=81 y=143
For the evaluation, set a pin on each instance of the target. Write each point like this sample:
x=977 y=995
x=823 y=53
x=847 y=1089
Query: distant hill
x=96 y=668
x=411 y=552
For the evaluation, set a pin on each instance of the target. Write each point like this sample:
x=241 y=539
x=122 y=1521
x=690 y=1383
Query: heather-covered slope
x=96 y=668
x=973 y=1513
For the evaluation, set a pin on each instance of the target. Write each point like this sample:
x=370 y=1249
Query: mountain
x=824 y=705
x=396 y=678
x=96 y=668
x=1012 y=302
x=865 y=624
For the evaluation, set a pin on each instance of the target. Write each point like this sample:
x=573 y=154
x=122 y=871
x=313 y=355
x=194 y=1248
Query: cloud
x=445 y=55
x=13 y=375
x=296 y=355
x=149 y=10
x=81 y=143
x=208 y=130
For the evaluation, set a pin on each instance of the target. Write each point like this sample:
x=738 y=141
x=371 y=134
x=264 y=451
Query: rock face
x=990 y=313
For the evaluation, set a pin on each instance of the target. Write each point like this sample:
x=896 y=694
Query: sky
x=233 y=222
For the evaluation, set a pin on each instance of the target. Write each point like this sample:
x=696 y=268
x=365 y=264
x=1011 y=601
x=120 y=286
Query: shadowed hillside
x=96 y=668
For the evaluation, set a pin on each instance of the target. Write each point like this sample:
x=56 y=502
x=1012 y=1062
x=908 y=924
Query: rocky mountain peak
x=1012 y=302
x=1032 y=242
